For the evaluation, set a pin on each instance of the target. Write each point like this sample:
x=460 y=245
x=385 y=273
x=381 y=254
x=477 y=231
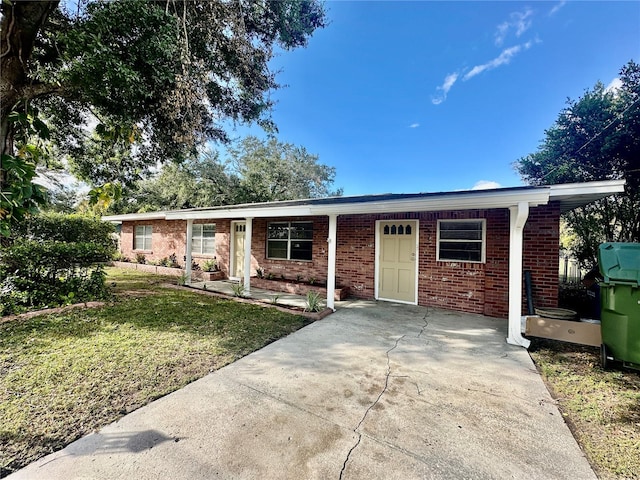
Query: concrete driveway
x=374 y=391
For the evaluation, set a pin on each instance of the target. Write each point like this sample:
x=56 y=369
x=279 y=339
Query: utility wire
x=619 y=116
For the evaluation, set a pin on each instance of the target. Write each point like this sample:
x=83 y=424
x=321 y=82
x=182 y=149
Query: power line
x=619 y=116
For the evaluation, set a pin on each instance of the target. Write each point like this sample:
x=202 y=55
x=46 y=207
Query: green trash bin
x=620 y=303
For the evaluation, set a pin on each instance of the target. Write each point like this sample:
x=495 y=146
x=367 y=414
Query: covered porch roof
x=569 y=196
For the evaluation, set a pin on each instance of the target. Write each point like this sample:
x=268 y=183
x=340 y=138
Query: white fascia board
x=487 y=200
x=292 y=211
x=607 y=187
x=131 y=217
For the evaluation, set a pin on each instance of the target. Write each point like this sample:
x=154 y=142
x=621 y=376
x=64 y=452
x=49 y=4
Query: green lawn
x=65 y=375
x=601 y=407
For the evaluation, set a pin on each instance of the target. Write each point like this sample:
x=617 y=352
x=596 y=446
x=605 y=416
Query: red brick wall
x=464 y=286
x=169 y=237
x=316 y=268
x=541 y=253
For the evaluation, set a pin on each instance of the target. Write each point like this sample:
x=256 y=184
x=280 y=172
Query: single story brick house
x=462 y=250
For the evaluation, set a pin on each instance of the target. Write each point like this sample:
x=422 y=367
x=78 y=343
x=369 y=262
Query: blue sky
x=407 y=97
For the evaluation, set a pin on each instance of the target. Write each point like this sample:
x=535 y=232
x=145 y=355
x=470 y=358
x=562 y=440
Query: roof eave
x=453 y=201
x=574 y=195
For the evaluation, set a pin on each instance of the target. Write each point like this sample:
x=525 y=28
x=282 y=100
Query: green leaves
x=19 y=195
x=54 y=261
x=172 y=70
x=257 y=171
x=596 y=137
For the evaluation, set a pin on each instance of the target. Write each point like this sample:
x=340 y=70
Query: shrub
x=313 y=302
x=210 y=265
x=56 y=261
x=237 y=289
x=119 y=257
x=172 y=261
x=58 y=227
x=141 y=258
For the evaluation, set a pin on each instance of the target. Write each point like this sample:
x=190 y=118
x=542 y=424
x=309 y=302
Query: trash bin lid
x=620 y=262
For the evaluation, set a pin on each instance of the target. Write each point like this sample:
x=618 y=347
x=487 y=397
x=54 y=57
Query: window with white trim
x=203 y=239
x=142 y=237
x=290 y=240
x=461 y=240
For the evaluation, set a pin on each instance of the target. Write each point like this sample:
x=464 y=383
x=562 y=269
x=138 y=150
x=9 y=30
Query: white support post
x=518 y=216
x=188 y=261
x=331 y=264
x=247 y=256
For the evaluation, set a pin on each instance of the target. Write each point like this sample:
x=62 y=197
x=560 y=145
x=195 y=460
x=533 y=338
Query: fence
x=570 y=270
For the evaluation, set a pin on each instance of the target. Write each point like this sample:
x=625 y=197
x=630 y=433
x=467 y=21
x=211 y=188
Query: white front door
x=237 y=251
x=396 y=262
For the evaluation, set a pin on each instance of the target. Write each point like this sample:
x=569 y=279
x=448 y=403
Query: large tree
x=596 y=137
x=254 y=171
x=270 y=170
x=152 y=79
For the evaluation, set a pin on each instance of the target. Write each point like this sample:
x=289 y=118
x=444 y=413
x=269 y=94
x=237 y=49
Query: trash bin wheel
x=605 y=360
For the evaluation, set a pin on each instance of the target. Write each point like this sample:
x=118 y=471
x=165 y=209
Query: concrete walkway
x=375 y=391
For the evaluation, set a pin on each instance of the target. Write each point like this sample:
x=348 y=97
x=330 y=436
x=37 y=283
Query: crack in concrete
x=426 y=324
x=384 y=389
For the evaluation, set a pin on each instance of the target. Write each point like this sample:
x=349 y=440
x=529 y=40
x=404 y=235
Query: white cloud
x=440 y=97
x=502 y=59
x=614 y=85
x=414 y=125
x=486 y=185
x=557 y=7
x=518 y=21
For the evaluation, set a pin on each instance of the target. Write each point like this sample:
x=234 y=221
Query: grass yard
x=64 y=375
x=601 y=407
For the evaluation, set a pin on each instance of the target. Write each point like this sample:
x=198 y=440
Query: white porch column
x=331 y=266
x=518 y=218
x=247 y=255
x=188 y=261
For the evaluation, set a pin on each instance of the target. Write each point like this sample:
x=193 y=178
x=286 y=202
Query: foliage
x=54 y=260
x=19 y=196
x=596 y=137
x=125 y=85
x=313 y=302
x=182 y=279
x=120 y=257
x=37 y=274
x=58 y=227
x=141 y=258
x=259 y=272
x=238 y=289
x=71 y=373
x=255 y=171
x=270 y=170
x=210 y=265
